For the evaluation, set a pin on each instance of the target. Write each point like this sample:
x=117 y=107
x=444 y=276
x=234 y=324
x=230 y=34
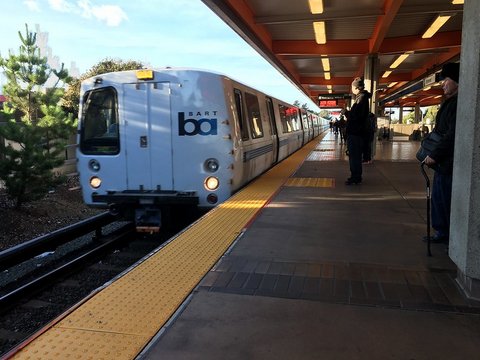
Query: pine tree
x=36 y=127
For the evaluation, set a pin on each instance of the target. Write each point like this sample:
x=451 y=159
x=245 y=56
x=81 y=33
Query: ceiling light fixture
x=386 y=74
x=327 y=75
x=316 y=6
x=319 y=29
x=325 y=64
x=457 y=2
x=392 y=84
x=400 y=59
x=436 y=25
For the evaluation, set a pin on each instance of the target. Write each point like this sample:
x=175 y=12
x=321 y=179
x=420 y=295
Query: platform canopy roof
x=283 y=32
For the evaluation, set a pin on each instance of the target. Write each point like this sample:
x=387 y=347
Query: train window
x=306 y=124
x=295 y=119
x=241 y=118
x=271 y=115
x=283 y=118
x=99 y=134
x=253 y=114
x=289 y=118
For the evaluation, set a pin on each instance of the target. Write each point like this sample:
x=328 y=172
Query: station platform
x=297 y=266
x=329 y=271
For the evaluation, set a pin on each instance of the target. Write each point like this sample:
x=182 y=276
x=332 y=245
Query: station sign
x=429 y=80
x=328 y=103
x=333 y=96
x=331 y=100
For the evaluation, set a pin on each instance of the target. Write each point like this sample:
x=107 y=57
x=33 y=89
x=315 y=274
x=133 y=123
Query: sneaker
x=351 y=181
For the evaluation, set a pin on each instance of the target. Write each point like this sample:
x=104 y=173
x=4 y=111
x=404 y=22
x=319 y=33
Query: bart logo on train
x=191 y=126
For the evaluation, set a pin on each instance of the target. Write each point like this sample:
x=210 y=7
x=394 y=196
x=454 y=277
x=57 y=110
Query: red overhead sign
x=328 y=103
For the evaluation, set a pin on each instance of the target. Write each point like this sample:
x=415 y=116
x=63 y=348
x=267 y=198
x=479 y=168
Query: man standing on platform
x=441 y=158
x=357 y=126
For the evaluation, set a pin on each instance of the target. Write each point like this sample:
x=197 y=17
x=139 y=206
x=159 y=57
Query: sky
x=177 y=33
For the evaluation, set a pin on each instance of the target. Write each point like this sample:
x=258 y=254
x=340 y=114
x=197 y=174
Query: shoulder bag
x=428 y=144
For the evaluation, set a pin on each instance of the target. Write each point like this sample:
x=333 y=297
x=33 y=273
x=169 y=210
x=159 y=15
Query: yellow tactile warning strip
x=117 y=322
x=311 y=182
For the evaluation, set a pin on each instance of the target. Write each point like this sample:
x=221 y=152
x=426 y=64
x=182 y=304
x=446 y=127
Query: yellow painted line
x=118 y=321
x=311 y=182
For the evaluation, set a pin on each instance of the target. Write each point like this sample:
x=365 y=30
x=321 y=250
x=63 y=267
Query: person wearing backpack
x=357 y=119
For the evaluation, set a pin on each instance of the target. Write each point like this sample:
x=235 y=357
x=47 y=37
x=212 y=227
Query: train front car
x=152 y=140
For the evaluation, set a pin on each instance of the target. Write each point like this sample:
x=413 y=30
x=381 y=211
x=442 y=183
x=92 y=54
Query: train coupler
x=148 y=220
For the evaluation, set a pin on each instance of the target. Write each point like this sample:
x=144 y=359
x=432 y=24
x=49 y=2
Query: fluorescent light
x=325 y=64
x=457 y=2
x=329 y=87
x=330 y=91
x=392 y=84
x=327 y=75
x=316 y=6
x=400 y=59
x=386 y=74
x=319 y=29
x=436 y=25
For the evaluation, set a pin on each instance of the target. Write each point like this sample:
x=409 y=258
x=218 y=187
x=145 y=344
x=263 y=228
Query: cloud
x=32 y=5
x=112 y=15
x=61 y=5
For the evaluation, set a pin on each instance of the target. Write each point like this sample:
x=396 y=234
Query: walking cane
x=422 y=167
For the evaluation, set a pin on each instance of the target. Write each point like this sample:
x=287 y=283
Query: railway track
x=44 y=277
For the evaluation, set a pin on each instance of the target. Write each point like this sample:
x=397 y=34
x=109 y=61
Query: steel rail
x=49 y=242
x=39 y=283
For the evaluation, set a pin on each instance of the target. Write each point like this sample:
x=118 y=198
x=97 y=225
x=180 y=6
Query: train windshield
x=99 y=134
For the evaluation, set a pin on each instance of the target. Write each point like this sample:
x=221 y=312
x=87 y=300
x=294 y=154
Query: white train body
x=150 y=139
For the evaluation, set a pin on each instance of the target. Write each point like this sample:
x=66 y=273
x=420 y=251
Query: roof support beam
x=361 y=47
x=441 y=40
x=390 y=9
x=334 y=15
x=436 y=61
x=318 y=80
x=293 y=18
x=310 y=47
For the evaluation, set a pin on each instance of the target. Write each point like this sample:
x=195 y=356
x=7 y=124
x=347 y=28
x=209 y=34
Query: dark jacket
x=445 y=125
x=357 y=117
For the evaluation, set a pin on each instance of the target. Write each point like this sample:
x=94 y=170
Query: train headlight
x=211 y=183
x=211 y=165
x=94 y=165
x=95 y=182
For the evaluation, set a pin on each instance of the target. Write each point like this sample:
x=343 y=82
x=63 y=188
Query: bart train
x=153 y=139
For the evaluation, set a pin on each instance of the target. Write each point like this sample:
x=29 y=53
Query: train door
x=148 y=141
x=273 y=127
